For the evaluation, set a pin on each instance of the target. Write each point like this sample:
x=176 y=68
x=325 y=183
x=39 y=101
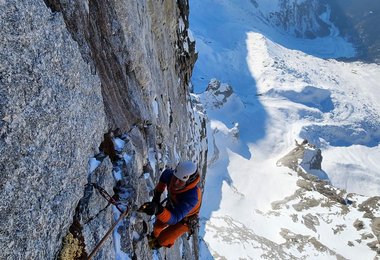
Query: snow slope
x=271 y=94
x=221 y=28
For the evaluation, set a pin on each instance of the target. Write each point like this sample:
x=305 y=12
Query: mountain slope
x=272 y=94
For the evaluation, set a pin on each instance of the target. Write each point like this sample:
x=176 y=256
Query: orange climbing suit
x=182 y=204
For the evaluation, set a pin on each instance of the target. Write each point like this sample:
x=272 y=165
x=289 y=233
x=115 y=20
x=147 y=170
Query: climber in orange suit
x=182 y=207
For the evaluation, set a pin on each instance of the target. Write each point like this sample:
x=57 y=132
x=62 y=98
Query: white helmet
x=184 y=170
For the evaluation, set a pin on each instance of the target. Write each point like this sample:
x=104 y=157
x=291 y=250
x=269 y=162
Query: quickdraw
x=108 y=197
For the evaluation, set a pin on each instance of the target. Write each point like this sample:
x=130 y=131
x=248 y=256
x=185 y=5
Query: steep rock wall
x=52 y=118
x=70 y=71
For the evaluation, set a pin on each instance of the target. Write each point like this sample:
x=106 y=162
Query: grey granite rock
x=52 y=118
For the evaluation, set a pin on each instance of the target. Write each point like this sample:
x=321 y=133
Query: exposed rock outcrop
x=319 y=196
x=306 y=19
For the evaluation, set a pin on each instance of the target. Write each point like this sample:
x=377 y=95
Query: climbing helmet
x=184 y=170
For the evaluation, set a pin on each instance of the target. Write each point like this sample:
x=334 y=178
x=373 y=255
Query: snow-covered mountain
x=94 y=99
x=264 y=200
x=303 y=19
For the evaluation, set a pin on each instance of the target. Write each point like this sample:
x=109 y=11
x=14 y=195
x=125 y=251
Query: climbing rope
x=112 y=201
x=100 y=244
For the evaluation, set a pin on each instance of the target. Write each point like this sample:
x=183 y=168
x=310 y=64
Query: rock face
x=351 y=19
x=305 y=159
x=52 y=118
x=355 y=21
x=69 y=72
x=313 y=202
x=305 y=19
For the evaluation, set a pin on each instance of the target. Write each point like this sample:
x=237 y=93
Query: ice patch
x=117 y=175
x=119 y=144
x=152 y=160
x=181 y=25
x=127 y=158
x=155 y=107
x=186 y=46
x=93 y=164
x=190 y=35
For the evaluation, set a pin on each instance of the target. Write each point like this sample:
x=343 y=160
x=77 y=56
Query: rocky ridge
x=304 y=19
x=358 y=214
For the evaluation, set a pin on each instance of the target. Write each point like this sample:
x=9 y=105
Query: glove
x=156 y=197
x=151 y=208
x=148 y=208
x=159 y=209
